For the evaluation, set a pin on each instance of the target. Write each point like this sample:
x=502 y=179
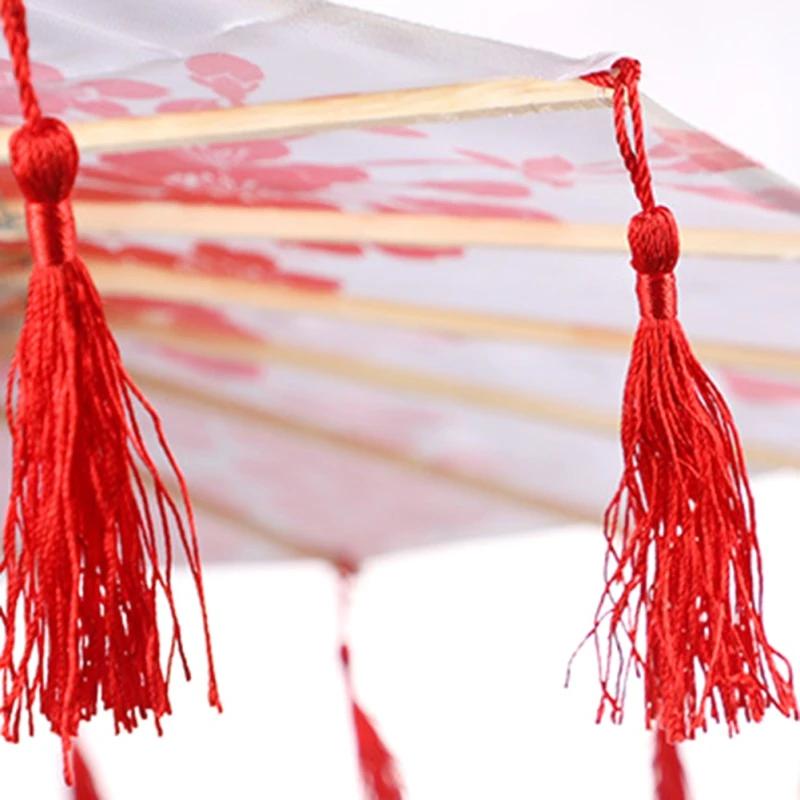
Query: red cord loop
x=628 y=71
x=44 y=159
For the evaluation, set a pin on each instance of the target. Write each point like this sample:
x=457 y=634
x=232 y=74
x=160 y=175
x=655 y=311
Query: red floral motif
x=487 y=159
x=479 y=188
x=229 y=76
x=778 y=199
x=762 y=390
x=333 y=248
x=400 y=131
x=210 y=258
x=188 y=316
x=692 y=151
x=726 y=194
x=782 y=199
x=555 y=171
x=334 y=498
x=358 y=251
x=242 y=173
x=421 y=253
x=178 y=315
x=96 y=98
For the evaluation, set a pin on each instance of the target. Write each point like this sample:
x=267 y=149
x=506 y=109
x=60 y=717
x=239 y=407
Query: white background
x=460 y=653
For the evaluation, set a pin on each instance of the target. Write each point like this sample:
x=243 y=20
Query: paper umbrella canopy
x=375 y=277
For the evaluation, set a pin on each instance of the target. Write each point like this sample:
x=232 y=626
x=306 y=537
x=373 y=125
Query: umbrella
x=378 y=304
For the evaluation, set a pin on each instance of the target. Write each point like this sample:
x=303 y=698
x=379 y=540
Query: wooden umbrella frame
x=428 y=105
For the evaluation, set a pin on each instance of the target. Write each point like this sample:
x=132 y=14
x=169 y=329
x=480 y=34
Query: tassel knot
x=654 y=242
x=655 y=249
x=44 y=159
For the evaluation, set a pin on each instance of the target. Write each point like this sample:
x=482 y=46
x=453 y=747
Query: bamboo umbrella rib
x=243 y=413
x=160 y=284
x=164 y=218
x=198 y=342
x=435 y=104
x=504 y=401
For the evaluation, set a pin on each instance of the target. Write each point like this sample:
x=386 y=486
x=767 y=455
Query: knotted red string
x=90 y=520
x=682 y=547
x=379 y=773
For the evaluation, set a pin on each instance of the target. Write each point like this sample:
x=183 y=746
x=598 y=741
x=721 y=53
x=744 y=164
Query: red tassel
x=688 y=557
x=379 y=772
x=84 y=788
x=82 y=538
x=670 y=779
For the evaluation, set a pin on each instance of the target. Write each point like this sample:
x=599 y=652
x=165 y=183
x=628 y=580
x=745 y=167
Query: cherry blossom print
x=782 y=199
x=243 y=173
x=420 y=253
x=787 y=200
x=399 y=131
x=149 y=256
x=762 y=390
x=97 y=98
x=210 y=365
x=479 y=188
x=487 y=160
x=229 y=76
x=725 y=194
x=210 y=258
x=332 y=248
x=358 y=251
x=554 y=171
x=215 y=259
x=172 y=315
x=691 y=152
x=183 y=317
x=347 y=499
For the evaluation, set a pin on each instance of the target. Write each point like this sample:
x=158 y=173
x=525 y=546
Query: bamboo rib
x=380 y=376
x=273 y=120
x=158 y=218
x=159 y=284
x=243 y=413
x=504 y=401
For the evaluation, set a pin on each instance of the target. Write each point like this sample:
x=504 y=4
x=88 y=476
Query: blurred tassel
x=379 y=772
x=668 y=773
x=84 y=787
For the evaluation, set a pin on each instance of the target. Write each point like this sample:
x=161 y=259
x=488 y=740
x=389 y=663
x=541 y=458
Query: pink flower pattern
x=97 y=98
x=229 y=76
x=763 y=391
x=691 y=152
x=247 y=173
